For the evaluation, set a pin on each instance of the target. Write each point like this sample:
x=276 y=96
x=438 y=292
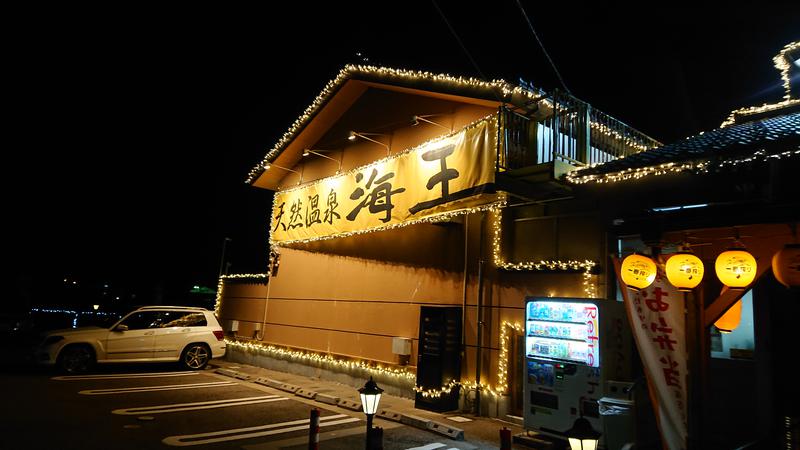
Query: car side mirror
x=121 y=327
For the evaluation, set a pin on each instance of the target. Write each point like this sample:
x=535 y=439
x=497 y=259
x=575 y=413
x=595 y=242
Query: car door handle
x=186 y=330
x=149 y=333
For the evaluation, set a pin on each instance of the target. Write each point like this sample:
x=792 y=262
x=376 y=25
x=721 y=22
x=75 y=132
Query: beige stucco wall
x=349 y=296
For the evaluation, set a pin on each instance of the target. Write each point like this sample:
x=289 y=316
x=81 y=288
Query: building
x=415 y=213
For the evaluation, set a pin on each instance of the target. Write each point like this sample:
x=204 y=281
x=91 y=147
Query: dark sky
x=133 y=129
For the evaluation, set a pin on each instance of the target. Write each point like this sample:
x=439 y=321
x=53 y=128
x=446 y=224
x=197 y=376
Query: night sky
x=132 y=130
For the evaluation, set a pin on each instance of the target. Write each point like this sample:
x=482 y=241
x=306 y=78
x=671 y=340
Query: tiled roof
x=774 y=134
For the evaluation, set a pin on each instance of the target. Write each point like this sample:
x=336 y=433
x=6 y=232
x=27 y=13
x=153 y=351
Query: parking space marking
x=253 y=432
x=159 y=409
x=123 y=376
x=434 y=446
x=171 y=387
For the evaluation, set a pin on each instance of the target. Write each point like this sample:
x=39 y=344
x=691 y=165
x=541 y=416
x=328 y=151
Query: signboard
x=657 y=321
x=443 y=176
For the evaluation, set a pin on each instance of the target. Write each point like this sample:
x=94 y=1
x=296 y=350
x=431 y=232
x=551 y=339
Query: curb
x=277 y=384
x=327 y=399
x=390 y=415
x=232 y=374
x=306 y=394
x=394 y=416
x=446 y=430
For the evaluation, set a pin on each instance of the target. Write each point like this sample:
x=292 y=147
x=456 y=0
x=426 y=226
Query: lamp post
x=370 y=397
x=582 y=436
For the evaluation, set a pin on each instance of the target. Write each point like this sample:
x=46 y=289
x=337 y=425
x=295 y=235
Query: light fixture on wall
x=786 y=265
x=415 y=120
x=638 y=271
x=736 y=267
x=730 y=320
x=308 y=152
x=270 y=165
x=684 y=269
x=355 y=134
x=786 y=262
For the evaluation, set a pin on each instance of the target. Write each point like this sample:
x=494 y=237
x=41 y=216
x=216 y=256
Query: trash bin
x=619 y=421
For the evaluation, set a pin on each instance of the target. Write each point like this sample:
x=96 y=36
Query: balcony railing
x=563 y=128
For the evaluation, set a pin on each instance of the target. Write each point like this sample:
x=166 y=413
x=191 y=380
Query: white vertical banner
x=659 y=329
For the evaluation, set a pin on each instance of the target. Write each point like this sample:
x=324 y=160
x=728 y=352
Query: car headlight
x=50 y=340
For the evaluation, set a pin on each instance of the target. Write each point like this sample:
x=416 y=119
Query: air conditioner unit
x=401 y=346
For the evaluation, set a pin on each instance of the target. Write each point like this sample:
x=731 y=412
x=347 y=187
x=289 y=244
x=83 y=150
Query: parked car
x=189 y=335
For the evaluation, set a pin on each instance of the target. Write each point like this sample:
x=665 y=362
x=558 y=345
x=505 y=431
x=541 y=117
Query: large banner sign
x=442 y=176
x=657 y=321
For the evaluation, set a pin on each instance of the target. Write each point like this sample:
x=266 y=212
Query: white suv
x=150 y=334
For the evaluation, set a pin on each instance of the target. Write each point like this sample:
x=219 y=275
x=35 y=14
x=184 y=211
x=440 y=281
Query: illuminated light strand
x=354 y=70
x=731 y=120
x=783 y=64
x=631 y=142
x=671 y=168
x=68 y=311
x=234 y=276
x=502 y=370
x=570 y=265
x=374 y=164
x=441 y=217
x=318 y=358
x=506 y=89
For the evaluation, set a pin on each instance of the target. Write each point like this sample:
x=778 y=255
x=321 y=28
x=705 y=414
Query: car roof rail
x=195 y=308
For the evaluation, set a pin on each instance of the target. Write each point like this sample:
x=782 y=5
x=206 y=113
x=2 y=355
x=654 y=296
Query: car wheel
x=76 y=359
x=195 y=356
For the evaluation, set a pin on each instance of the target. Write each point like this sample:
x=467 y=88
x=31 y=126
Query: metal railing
x=563 y=128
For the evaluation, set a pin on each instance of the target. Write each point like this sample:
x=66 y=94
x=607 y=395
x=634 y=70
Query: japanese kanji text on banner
x=658 y=324
x=446 y=175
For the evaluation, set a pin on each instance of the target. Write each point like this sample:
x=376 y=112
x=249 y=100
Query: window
x=142 y=320
x=182 y=319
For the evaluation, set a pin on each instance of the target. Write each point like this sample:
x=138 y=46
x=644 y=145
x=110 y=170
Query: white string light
x=505 y=89
x=783 y=63
x=257 y=277
x=575 y=177
x=286 y=353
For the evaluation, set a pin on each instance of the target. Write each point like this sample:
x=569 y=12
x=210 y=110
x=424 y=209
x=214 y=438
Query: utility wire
x=552 y=64
x=466 y=52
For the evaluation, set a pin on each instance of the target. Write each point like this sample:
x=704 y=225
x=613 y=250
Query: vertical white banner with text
x=659 y=329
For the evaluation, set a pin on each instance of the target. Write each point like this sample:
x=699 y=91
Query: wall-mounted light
x=730 y=320
x=270 y=165
x=415 y=120
x=736 y=267
x=638 y=271
x=786 y=265
x=355 y=134
x=308 y=152
x=684 y=270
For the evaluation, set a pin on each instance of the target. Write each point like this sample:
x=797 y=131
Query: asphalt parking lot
x=159 y=407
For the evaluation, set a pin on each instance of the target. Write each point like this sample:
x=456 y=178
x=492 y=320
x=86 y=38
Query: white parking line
x=172 y=387
x=433 y=446
x=123 y=376
x=252 y=432
x=159 y=409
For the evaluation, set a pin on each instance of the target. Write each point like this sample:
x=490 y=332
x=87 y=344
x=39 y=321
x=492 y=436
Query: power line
x=455 y=35
x=552 y=64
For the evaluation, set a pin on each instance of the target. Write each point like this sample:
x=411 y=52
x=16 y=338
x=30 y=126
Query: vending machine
x=574 y=348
